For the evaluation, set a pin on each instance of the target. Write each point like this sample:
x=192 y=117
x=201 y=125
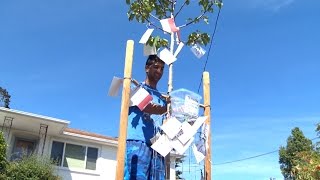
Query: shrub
x=31 y=168
x=3 y=153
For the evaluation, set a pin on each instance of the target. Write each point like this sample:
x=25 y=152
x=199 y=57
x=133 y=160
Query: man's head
x=154 y=68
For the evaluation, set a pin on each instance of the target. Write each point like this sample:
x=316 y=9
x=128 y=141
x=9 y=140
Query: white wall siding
x=107 y=162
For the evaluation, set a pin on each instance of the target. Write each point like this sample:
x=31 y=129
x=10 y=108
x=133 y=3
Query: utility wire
x=251 y=157
x=212 y=36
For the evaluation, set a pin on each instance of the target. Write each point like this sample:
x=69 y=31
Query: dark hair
x=153 y=59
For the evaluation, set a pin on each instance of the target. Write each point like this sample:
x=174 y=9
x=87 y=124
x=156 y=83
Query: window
x=74 y=156
x=22 y=148
x=92 y=157
x=57 y=152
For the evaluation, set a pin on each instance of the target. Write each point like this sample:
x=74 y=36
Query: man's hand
x=152 y=108
x=167 y=98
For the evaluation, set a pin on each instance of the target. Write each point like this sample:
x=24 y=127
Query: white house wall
x=106 y=162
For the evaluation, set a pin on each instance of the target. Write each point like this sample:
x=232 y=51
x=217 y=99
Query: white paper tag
x=186 y=132
x=198 y=155
x=171 y=127
x=140 y=97
x=149 y=50
x=162 y=145
x=198 y=51
x=168 y=25
x=167 y=57
x=179 y=147
x=146 y=36
x=180 y=46
x=200 y=120
x=115 y=86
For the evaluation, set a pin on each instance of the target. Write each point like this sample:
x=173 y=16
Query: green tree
x=4 y=98
x=152 y=11
x=318 y=133
x=145 y=11
x=178 y=164
x=296 y=143
x=307 y=166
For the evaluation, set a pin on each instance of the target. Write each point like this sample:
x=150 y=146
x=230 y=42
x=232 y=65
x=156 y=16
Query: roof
x=86 y=133
x=46 y=118
x=30 y=122
x=88 y=136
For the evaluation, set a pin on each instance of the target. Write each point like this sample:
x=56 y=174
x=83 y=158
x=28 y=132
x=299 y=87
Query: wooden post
x=207 y=112
x=124 y=111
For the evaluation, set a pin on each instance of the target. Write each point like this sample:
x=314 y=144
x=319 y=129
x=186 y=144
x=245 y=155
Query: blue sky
x=57 y=58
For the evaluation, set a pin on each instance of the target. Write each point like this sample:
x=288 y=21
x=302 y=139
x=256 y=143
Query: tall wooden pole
x=207 y=112
x=124 y=111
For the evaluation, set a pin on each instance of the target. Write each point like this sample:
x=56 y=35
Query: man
x=142 y=163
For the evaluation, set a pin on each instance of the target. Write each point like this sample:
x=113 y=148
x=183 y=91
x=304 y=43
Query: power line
x=251 y=157
x=212 y=36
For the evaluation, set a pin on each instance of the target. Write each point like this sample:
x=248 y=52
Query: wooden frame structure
x=125 y=109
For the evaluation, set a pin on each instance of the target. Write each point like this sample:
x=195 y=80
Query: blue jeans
x=142 y=162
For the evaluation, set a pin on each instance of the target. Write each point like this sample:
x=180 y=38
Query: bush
x=31 y=168
x=3 y=153
x=28 y=168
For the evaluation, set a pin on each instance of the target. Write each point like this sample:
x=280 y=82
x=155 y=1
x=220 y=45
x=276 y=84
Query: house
x=77 y=154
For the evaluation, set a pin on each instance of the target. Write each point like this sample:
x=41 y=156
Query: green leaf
x=130 y=16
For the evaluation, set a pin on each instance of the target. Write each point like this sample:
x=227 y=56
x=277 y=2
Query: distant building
x=78 y=154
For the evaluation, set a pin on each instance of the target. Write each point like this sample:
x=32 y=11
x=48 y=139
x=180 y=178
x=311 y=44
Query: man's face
x=155 y=71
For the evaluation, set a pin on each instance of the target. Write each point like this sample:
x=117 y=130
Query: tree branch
x=164 y=10
x=196 y=19
x=150 y=21
x=154 y=17
x=185 y=2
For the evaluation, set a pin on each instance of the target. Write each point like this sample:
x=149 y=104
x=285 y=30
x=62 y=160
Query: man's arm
x=152 y=108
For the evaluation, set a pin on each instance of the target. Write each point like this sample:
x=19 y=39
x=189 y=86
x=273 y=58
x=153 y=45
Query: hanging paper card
x=162 y=145
x=198 y=51
x=179 y=147
x=205 y=131
x=198 y=155
x=166 y=56
x=115 y=86
x=140 y=97
x=146 y=36
x=149 y=50
x=178 y=49
x=186 y=132
x=168 y=25
x=200 y=120
x=171 y=127
x=201 y=146
x=178 y=36
x=205 y=134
